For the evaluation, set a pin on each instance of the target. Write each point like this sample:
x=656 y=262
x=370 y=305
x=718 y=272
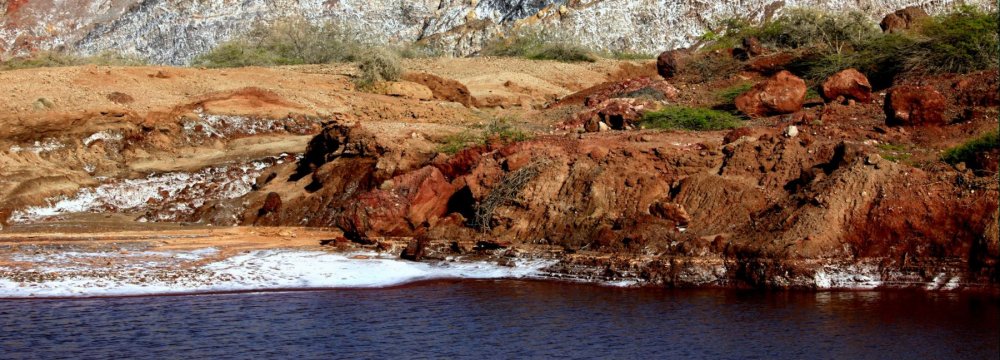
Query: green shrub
x=537 y=46
x=503 y=129
x=498 y=128
x=713 y=65
x=967 y=152
x=58 y=59
x=453 y=144
x=565 y=52
x=963 y=41
x=687 y=118
x=376 y=66
x=627 y=55
x=729 y=95
x=798 y=28
x=288 y=41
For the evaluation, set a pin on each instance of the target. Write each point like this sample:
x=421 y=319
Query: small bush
x=686 y=118
x=564 y=52
x=963 y=41
x=499 y=128
x=967 y=152
x=59 y=59
x=502 y=129
x=627 y=55
x=537 y=46
x=797 y=28
x=376 y=66
x=288 y=41
x=453 y=144
x=713 y=66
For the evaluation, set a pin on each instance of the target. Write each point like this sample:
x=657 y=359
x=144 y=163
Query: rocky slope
x=173 y=32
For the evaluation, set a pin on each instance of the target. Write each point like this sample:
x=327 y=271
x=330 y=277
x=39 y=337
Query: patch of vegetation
x=967 y=151
x=729 y=94
x=538 y=46
x=627 y=55
x=60 y=59
x=454 y=144
x=962 y=41
x=377 y=66
x=288 y=41
x=896 y=153
x=713 y=65
x=500 y=129
x=687 y=118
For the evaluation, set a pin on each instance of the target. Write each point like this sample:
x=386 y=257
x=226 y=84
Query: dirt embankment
x=829 y=196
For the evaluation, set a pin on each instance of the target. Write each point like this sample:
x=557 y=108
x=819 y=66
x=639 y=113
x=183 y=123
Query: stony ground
x=827 y=196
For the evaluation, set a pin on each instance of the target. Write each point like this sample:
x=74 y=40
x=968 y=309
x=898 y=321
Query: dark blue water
x=508 y=319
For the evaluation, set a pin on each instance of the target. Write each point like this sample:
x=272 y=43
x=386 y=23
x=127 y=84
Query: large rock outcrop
x=175 y=31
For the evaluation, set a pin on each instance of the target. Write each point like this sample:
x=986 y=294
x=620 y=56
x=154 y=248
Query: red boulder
x=669 y=63
x=903 y=19
x=403 y=205
x=914 y=105
x=847 y=84
x=783 y=93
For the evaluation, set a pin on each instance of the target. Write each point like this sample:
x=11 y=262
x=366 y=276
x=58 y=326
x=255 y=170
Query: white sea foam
x=256 y=270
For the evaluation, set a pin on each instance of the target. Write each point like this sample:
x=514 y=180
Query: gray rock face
x=175 y=31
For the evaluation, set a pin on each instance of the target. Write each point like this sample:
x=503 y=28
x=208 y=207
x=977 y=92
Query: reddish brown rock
x=914 y=105
x=120 y=98
x=752 y=46
x=632 y=88
x=783 y=93
x=621 y=114
x=406 y=203
x=847 y=84
x=770 y=64
x=978 y=89
x=903 y=19
x=442 y=89
x=272 y=204
x=671 y=212
x=669 y=63
x=736 y=134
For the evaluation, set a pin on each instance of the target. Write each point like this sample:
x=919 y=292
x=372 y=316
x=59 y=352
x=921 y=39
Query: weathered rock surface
x=903 y=19
x=914 y=105
x=782 y=93
x=847 y=84
x=173 y=32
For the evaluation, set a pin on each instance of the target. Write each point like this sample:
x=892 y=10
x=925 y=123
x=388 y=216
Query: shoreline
x=238 y=260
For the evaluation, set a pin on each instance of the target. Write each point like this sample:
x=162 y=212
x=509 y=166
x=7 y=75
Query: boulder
x=642 y=87
x=621 y=114
x=914 y=105
x=669 y=62
x=410 y=201
x=752 y=46
x=847 y=84
x=903 y=19
x=783 y=93
x=770 y=64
